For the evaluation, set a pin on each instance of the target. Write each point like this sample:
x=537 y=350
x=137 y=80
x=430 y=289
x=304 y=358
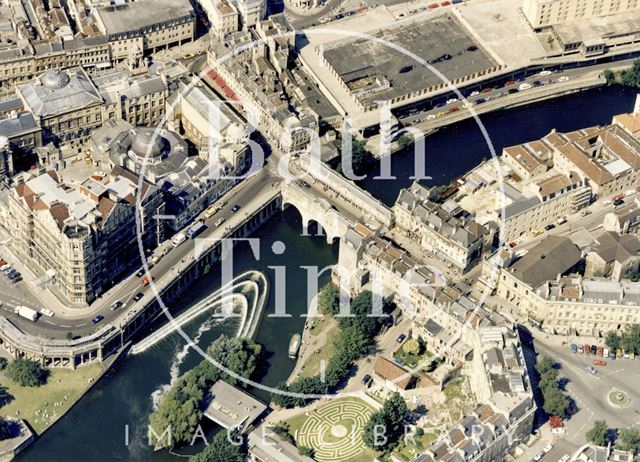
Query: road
x=79 y=322
x=590 y=394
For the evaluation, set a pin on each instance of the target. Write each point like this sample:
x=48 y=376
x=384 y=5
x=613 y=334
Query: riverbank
x=587 y=81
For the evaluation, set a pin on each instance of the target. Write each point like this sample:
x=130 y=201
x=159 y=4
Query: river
x=458 y=148
x=95 y=429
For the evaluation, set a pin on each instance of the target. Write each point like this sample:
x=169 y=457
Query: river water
x=95 y=429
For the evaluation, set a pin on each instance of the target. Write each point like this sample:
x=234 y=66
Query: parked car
x=401 y=338
x=545 y=73
x=117 y=304
x=599 y=351
x=524 y=86
x=580 y=349
x=140 y=272
x=549 y=227
x=47 y=312
x=97 y=319
x=138 y=296
x=587 y=348
x=366 y=380
x=612 y=354
x=564 y=78
x=235 y=208
x=593 y=349
x=548 y=448
x=585 y=212
x=574 y=348
x=599 y=362
x=16 y=279
x=618 y=202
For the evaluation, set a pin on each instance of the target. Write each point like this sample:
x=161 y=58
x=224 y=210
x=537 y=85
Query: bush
x=305 y=451
x=27 y=373
x=221 y=449
x=282 y=430
x=3 y=363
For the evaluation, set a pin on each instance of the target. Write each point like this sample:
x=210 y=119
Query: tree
x=629 y=440
x=555 y=401
x=6 y=429
x=612 y=340
x=599 y=433
x=634 y=276
x=180 y=407
x=384 y=428
x=305 y=451
x=70 y=336
x=546 y=364
x=329 y=299
x=411 y=346
x=3 y=363
x=631 y=338
x=404 y=141
x=360 y=157
x=282 y=430
x=609 y=76
x=631 y=77
x=548 y=379
x=5 y=396
x=222 y=449
x=27 y=373
x=375 y=432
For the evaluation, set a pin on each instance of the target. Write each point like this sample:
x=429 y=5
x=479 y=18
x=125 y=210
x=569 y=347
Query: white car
x=564 y=78
x=545 y=73
x=47 y=312
x=474 y=93
x=452 y=100
x=431 y=116
x=538 y=456
x=564 y=458
x=524 y=86
x=547 y=449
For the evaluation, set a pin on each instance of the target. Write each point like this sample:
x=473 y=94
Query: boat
x=294 y=345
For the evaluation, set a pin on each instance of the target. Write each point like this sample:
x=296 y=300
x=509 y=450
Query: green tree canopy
x=612 y=340
x=384 y=428
x=375 y=433
x=598 y=434
x=329 y=299
x=630 y=340
x=631 y=77
x=555 y=402
x=6 y=429
x=180 y=407
x=411 y=346
x=629 y=440
x=545 y=365
x=27 y=373
x=222 y=448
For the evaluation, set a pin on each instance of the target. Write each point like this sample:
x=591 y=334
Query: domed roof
x=236 y=132
x=147 y=143
x=54 y=78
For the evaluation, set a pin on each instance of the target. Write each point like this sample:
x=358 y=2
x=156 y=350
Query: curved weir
x=247 y=294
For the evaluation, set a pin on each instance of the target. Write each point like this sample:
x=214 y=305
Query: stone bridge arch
x=314 y=209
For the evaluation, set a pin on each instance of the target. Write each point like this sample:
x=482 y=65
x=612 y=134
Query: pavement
x=589 y=391
x=78 y=320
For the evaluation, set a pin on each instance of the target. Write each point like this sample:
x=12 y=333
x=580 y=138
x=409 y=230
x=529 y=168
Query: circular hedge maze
x=334 y=430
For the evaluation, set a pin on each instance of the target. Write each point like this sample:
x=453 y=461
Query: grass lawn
x=410 y=451
x=61 y=383
x=318 y=324
x=312 y=366
x=330 y=447
x=411 y=360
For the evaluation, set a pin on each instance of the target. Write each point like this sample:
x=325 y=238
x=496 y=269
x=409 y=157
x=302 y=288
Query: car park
x=97 y=319
x=138 y=296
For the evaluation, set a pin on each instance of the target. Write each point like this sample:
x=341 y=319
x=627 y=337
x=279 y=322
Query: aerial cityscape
x=320 y=230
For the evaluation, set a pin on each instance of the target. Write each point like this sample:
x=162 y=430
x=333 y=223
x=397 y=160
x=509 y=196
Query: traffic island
x=618 y=399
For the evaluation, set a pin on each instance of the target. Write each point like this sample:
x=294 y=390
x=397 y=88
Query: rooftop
x=232 y=407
